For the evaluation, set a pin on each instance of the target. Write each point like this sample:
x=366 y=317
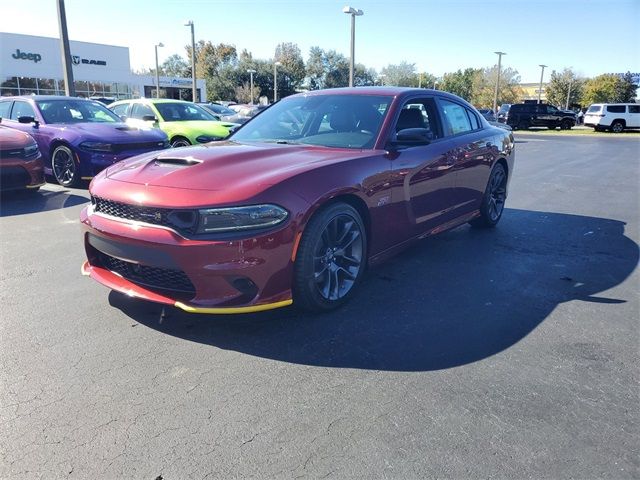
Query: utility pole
x=495 y=94
x=540 y=87
x=69 y=87
x=194 y=97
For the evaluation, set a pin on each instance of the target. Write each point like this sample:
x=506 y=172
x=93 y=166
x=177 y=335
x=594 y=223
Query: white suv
x=613 y=116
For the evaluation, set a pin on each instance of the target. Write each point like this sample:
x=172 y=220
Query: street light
x=189 y=23
x=541 y=76
x=157 y=70
x=65 y=51
x=354 y=12
x=275 y=81
x=251 y=71
x=495 y=94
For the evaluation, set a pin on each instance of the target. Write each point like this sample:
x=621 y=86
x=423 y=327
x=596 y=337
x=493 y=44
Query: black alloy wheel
x=566 y=125
x=180 y=142
x=65 y=169
x=331 y=258
x=493 y=200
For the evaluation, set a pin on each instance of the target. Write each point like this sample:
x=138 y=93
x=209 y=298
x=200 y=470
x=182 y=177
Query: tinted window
x=473 y=118
x=75 y=111
x=22 y=109
x=552 y=109
x=120 y=110
x=4 y=109
x=594 y=108
x=139 y=110
x=634 y=108
x=456 y=119
x=180 y=112
x=616 y=108
x=419 y=114
x=343 y=121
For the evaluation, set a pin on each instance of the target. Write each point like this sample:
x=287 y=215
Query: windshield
x=76 y=111
x=343 y=121
x=220 y=109
x=182 y=112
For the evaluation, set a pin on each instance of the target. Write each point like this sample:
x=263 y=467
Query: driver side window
x=139 y=110
x=419 y=113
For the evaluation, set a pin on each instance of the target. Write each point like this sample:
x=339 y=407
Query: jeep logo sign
x=35 y=57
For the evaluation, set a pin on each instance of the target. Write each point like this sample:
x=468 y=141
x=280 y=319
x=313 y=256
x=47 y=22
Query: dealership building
x=33 y=65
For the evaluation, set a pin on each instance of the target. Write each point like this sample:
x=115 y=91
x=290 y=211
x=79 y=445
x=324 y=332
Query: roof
x=45 y=97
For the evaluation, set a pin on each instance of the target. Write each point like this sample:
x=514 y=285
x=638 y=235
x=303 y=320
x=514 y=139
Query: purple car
x=77 y=137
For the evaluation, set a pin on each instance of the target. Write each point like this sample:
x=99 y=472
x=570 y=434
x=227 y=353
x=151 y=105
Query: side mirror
x=412 y=137
x=123 y=118
x=150 y=118
x=28 y=119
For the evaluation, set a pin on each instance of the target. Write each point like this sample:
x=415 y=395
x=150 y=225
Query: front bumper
x=201 y=276
x=18 y=174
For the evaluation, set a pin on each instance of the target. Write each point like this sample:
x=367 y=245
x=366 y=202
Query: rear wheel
x=493 y=199
x=331 y=258
x=566 y=125
x=65 y=169
x=617 y=126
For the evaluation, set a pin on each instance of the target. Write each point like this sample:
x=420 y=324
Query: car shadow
x=24 y=202
x=449 y=300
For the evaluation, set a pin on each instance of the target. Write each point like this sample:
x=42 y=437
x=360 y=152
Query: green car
x=185 y=123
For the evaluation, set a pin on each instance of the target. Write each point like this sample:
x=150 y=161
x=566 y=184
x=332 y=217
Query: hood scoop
x=176 y=162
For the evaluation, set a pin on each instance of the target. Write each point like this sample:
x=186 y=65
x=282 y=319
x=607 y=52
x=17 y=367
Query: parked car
x=296 y=204
x=525 y=115
x=244 y=113
x=221 y=112
x=502 y=112
x=77 y=137
x=21 y=164
x=488 y=114
x=185 y=123
x=615 y=117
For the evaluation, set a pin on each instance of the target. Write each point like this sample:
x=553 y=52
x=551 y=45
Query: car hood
x=11 y=139
x=201 y=126
x=110 y=132
x=226 y=166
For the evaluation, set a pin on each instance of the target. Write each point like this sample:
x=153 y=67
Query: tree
x=484 y=84
x=175 y=66
x=363 y=76
x=328 y=69
x=461 y=83
x=292 y=72
x=609 y=88
x=561 y=85
x=216 y=64
x=401 y=75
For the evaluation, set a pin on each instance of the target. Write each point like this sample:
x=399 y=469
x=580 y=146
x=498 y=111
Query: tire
x=65 y=169
x=177 y=142
x=598 y=129
x=331 y=258
x=551 y=127
x=493 y=199
x=617 y=127
x=524 y=125
x=566 y=125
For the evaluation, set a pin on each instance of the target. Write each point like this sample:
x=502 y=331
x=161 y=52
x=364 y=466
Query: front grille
x=146 y=146
x=157 y=278
x=183 y=221
x=13 y=177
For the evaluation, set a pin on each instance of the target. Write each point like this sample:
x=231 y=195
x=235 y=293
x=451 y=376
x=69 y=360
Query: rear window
x=634 y=108
x=616 y=108
x=594 y=109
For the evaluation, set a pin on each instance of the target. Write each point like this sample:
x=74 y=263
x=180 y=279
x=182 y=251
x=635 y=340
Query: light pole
x=251 y=71
x=158 y=71
x=420 y=80
x=495 y=94
x=354 y=12
x=540 y=88
x=275 y=81
x=69 y=86
x=189 y=23
x=566 y=107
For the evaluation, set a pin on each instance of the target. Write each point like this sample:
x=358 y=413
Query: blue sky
x=591 y=36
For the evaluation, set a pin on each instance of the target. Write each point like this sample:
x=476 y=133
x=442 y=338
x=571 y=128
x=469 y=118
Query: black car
x=525 y=115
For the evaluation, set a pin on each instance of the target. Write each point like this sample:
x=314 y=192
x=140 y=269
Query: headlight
x=31 y=150
x=207 y=138
x=96 y=146
x=215 y=220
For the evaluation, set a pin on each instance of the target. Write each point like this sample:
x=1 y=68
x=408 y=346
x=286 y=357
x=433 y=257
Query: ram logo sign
x=77 y=60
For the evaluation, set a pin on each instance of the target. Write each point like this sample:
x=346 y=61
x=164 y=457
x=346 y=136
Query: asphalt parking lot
x=510 y=353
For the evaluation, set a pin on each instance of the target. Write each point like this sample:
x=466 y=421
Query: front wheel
x=493 y=199
x=566 y=125
x=64 y=167
x=331 y=258
x=180 y=142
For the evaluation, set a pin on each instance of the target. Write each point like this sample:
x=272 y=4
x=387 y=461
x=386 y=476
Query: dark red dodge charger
x=295 y=205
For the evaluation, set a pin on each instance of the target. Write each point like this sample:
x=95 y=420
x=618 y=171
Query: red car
x=20 y=161
x=298 y=202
